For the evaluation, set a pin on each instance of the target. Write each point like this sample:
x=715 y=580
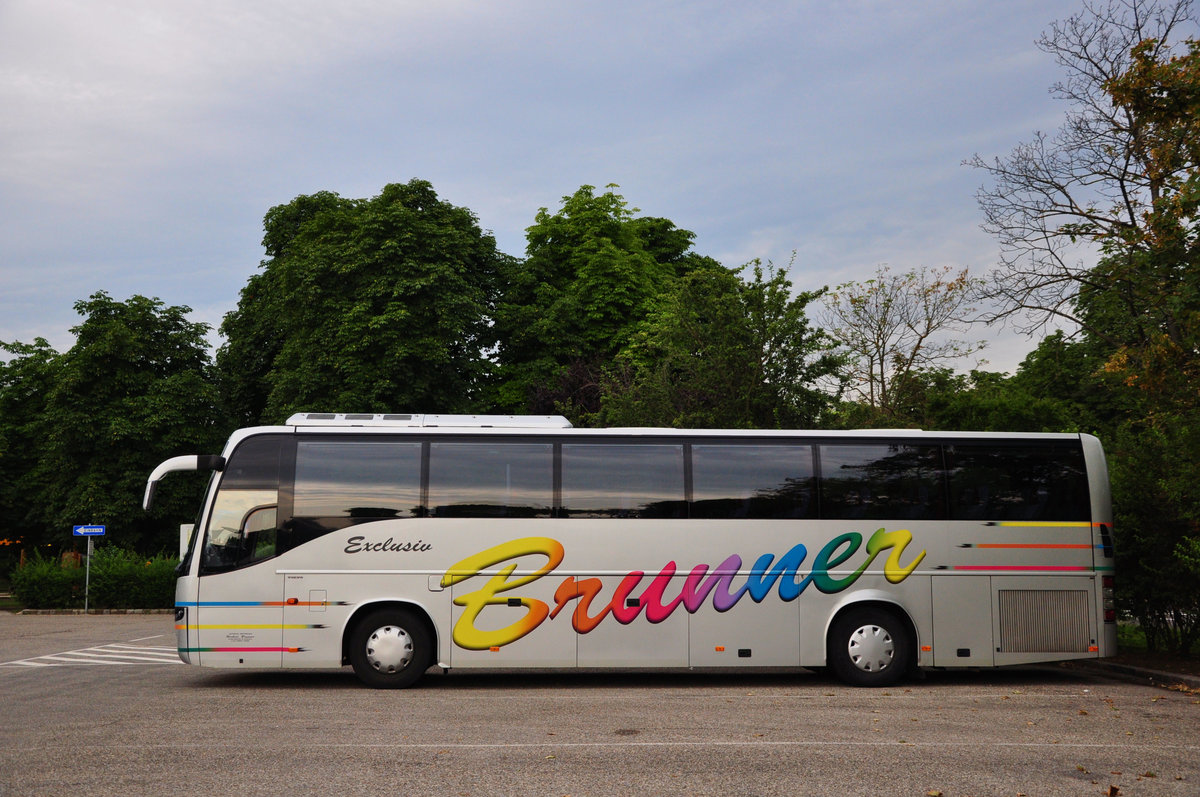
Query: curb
x=1137 y=674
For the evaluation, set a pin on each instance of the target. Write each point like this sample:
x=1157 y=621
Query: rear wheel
x=869 y=647
x=390 y=648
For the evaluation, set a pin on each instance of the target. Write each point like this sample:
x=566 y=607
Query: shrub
x=120 y=579
x=44 y=583
x=124 y=579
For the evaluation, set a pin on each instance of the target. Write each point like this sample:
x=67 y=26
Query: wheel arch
x=881 y=601
x=363 y=610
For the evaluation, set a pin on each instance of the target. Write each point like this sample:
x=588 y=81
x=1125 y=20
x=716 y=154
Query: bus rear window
x=1017 y=482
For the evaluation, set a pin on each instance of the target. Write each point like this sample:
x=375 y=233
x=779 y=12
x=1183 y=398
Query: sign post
x=89 y=532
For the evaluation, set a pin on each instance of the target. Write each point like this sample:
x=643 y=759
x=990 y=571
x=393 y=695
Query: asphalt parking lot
x=96 y=705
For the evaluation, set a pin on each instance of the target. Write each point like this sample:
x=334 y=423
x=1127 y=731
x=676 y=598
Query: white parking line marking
x=114 y=654
x=119 y=655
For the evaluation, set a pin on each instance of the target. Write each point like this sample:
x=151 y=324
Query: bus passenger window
x=759 y=481
x=623 y=480
x=880 y=481
x=358 y=479
x=493 y=479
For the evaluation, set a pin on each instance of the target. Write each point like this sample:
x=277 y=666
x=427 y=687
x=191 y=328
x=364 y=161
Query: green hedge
x=120 y=579
x=46 y=584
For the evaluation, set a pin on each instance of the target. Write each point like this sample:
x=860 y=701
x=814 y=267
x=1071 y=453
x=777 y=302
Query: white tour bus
x=398 y=542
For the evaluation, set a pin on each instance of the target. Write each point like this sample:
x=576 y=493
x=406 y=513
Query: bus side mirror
x=188 y=462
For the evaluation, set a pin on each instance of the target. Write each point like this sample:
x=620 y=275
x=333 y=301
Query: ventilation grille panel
x=1044 y=621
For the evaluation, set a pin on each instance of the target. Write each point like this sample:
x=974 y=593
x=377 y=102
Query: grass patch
x=1131 y=638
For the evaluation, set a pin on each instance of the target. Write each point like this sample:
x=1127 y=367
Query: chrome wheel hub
x=389 y=649
x=871 y=648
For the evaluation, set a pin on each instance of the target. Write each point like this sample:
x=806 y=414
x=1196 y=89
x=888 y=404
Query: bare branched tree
x=895 y=324
x=1057 y=201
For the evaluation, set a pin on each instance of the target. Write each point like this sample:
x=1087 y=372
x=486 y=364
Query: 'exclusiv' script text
x=360 y=545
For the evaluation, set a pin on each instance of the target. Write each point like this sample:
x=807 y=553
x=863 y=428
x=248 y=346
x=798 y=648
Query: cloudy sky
x=141 y=142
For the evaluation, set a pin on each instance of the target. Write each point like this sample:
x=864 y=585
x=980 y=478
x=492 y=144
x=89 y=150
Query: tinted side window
x=1017 y=482
x=752 y=481
x=635 y=480
x=358 y=479
x=254 y=464
x=491 y=479
x=882 y=481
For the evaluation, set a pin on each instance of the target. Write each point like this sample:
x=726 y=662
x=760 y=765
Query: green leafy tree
x=592 y=272
x=720 y=352
x=135 y=389
x=1153 y=322
x=1157 y=528
x=1060 y=386
x=26 y=379
x=364 y=305
x=256 y=331
x=1073 y=373
x=977 y=401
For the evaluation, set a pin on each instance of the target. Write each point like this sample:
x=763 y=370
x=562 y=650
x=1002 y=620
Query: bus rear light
x=1109 y=595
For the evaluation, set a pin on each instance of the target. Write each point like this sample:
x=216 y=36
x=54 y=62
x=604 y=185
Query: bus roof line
x=429 y=421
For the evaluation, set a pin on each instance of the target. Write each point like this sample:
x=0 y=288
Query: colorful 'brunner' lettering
x=466 y=634
x=699 y=584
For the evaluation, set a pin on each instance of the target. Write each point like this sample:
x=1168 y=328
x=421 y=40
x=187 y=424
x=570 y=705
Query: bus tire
x=869 y=646
x=390 y=648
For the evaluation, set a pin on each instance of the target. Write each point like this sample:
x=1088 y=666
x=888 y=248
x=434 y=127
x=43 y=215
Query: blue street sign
x=88 y=531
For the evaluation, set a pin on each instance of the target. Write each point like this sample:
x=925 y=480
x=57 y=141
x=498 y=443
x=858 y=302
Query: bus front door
x=239 y=620
x=239 y=601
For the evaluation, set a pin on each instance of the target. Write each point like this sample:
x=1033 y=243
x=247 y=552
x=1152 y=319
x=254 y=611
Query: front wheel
x=869 y=647
x=390 y=649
